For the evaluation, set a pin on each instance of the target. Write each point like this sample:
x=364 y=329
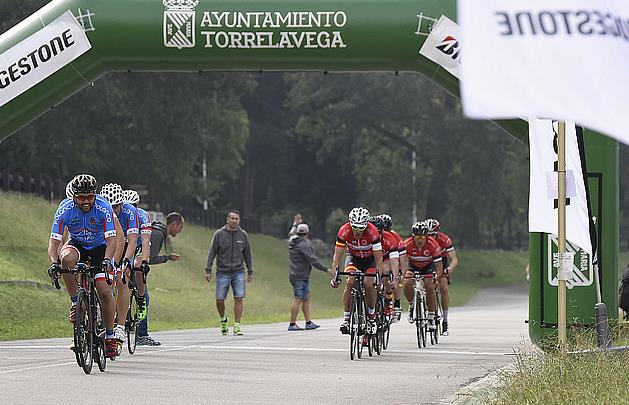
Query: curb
x=478 y=392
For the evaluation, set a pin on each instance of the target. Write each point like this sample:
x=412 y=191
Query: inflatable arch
x=68 y=44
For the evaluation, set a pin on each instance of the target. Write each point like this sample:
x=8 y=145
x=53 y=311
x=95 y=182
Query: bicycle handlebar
x=78 y=268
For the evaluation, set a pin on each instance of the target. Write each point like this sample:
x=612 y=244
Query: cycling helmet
x=83 y=184
x=433 y=225
x=131 y=196
x=113 y=193
x=420 y=228
x=69 y=192
x=359 y=217
x=378 y=222
x=387 y=221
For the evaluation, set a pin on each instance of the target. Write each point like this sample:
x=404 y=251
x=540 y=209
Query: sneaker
x=345 y=327
x=397 y=315
x=388 y=310
x=431 y=324
x=365 y=340
x=237 y=331
x=147 y=341
x=120 y=333
x=72 y=317
x=410 y=315
x=295 y=327
x=224 y=328
x=141 y=308
x=111 y=348
x=372 y=326
x=311 y=326
x=444 y=328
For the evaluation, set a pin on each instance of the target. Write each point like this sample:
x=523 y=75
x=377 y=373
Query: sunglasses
x=85 y=197
x=358 y=228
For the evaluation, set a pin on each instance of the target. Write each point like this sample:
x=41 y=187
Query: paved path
x=271 y=365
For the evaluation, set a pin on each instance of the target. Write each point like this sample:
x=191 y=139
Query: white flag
x=564 y=59
x=543 y=184
x=40 y=55
x=442 y=45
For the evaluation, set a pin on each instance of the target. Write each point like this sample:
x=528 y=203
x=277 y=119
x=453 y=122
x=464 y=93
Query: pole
x=561 y=288
x=414 y=167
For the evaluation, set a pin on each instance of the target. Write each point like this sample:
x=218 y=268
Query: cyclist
x=128 y=217
x=397 y=290
x=143 y=247
x=390 y=260
x=89 y=220
x=424 y=256
x=364 y=253
x=450 y=262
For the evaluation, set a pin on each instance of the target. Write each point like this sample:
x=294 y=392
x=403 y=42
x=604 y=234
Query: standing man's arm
x=157 y=240
x=211 y=255
x=309 y=254
x=248 y=259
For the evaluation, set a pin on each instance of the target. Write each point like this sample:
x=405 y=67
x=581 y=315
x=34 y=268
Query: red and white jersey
x=445 y=243
x=400 y=242
x=422 y=257
x=361 y=247
x=390 y=246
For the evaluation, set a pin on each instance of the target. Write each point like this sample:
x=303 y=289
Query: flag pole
x=561 y=274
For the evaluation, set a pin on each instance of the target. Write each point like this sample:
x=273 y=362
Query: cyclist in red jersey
x=364 y=253
x=450 y=262
x=424 y=256
x=390 y=263
x=397 y=290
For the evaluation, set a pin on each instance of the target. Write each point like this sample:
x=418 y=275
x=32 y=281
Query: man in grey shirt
x=230 y=246
x=301 y=257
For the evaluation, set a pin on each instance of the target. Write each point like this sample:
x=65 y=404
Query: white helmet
x=69 y=192
x=131 y=196
x=113 y=193
x=359 y=217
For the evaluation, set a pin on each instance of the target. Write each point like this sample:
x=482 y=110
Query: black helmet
x=420 y=228
x=377 y=222
x=388 y=222
x=83 y=184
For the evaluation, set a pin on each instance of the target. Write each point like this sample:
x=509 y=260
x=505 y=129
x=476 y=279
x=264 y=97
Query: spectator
x=159 y=237
x=230 y=246
x=293 y=230
x=301 y=258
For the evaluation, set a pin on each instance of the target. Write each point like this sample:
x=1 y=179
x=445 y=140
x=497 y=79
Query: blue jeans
x=300 y=289
x=143 y=326
x=237 y=281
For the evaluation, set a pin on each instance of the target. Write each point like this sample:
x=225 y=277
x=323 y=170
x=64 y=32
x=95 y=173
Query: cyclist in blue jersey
x=128 y=217
x=90 y=222
x=143 y=248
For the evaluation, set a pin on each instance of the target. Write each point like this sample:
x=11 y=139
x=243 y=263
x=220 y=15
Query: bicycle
x=89 y=325
x=358 y=311
x=420 y=317
x=132 y=321
x=384 y=321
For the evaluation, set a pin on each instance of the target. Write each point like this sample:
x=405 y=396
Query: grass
x=180 y=296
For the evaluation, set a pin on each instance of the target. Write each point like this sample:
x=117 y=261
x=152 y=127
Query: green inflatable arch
x=257 y=35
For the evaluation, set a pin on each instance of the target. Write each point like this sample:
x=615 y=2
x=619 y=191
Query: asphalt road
x=271 y=365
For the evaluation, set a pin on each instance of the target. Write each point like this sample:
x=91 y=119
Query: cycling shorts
x=93 y=257
x=426 y=271
x=364 y=264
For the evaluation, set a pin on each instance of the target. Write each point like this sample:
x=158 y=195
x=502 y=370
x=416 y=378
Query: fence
x=48 y=188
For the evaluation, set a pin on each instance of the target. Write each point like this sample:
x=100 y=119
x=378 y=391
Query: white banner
x=442 y=45
x=562 y=59
x=543 y=184
x=40 y=55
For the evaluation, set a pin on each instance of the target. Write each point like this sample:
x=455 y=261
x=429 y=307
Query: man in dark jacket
x=159 y=238
x=230 y=247
x=301 y=257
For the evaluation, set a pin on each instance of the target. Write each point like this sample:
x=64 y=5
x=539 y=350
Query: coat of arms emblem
x=179 y=23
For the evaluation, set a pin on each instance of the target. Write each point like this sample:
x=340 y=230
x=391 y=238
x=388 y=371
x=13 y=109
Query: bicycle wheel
x=420 y=321
x=98 y=336
x=82 y=335
x=131 y=325
x=360 y=310
x=385 y=335
x=353 y=330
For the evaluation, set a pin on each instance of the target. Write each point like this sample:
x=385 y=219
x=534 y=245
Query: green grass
x=180 y=296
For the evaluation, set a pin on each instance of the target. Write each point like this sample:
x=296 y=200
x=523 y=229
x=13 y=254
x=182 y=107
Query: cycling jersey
x=89 y=229
x=144 y=221
x=360 y=247
x=420 y=258
x=445 y=243
x=128 y=219
x=400 y=241
x=390 y=246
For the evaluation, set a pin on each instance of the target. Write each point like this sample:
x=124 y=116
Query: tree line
x=274 y=144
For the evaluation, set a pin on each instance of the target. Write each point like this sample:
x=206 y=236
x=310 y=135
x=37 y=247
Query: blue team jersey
x=89 y=229
x=144 y=219
x=128 y=219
